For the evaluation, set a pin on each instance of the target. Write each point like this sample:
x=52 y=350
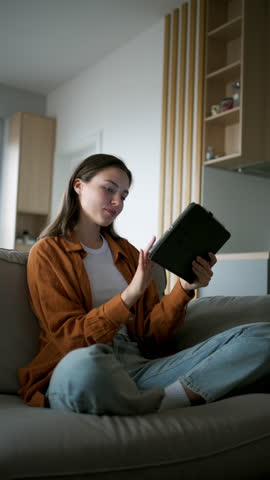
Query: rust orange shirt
x=60 y=295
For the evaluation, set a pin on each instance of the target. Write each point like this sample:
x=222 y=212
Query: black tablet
x=194 y=233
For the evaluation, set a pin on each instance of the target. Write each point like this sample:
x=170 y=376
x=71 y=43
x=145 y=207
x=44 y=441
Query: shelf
x=227 y=161
x=225 y=118
x=221 y=13
x=227 y=73
x=228 y=31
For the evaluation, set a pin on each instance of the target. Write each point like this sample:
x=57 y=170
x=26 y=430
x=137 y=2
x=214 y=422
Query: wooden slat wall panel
x=171 y=278
x=190 y=110
x=181 y=107
x=164 y=122
x=200 y=103
x=181 y=169
x=171 y=154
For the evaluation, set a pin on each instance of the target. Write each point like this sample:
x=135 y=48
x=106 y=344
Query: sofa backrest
x=20 y=329
x=19 y=326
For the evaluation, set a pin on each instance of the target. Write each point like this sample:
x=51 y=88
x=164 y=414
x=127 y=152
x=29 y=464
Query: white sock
x=175 y=396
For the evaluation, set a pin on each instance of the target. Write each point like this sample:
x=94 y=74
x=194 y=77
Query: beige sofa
x=228 y=439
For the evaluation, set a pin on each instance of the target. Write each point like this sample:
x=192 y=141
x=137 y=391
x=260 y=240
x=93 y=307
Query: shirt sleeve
x=157 y=321
x=164 y=318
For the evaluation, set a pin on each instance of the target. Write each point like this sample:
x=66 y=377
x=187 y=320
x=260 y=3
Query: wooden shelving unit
x=237 y=50
x=223 y=68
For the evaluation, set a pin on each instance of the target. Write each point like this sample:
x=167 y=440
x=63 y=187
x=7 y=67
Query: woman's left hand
x=203 y=272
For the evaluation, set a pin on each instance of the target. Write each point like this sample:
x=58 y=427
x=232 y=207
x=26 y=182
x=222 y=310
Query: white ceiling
x=44 y=43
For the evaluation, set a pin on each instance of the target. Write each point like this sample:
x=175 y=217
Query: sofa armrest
x=208 y=316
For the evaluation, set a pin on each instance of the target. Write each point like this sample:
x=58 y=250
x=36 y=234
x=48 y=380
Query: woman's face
x=102 y=198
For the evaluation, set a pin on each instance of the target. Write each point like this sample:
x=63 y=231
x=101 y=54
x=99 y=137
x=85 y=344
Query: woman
x=104 y=330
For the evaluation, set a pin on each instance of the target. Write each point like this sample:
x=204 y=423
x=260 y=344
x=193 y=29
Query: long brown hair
x=68 y=215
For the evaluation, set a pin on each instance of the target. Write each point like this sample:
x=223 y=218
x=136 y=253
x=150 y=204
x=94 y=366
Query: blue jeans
x=116 y=379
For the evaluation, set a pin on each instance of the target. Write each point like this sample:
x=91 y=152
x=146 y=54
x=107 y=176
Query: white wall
x=1 y=137
x=14 y=100
x=121 y=97
x=8 y=192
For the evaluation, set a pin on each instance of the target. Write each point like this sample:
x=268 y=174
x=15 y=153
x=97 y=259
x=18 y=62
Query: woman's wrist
x=186 y=287
x=129 y=298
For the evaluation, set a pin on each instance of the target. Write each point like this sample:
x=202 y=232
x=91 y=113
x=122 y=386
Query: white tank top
x=105 y=279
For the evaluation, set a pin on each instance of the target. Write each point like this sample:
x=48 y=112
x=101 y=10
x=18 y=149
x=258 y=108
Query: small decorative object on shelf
x=236 y=94
x=209 y=153
x=25 y=236
x=25 y=239
x=215 y=109
x=226 y=104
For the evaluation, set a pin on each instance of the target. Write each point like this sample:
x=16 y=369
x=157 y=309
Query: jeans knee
x=79 y=378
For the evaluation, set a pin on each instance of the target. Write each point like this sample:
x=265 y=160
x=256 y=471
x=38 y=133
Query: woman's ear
x=77 y=185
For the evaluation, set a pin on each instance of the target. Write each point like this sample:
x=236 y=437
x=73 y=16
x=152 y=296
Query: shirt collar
x=116 y=246
x=74 y=245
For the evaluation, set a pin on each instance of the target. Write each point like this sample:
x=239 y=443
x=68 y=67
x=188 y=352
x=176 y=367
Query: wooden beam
x=181 y=107
x=172 y=132
x=164 y=122
x=200 y=104
x=190 y=114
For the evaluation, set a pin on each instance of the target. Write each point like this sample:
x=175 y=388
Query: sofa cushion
x=19 y=327
x=225 y=439
x=209 y=316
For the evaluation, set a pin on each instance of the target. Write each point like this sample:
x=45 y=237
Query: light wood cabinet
x=27 y=177
x=37 y=146
x=237 y=50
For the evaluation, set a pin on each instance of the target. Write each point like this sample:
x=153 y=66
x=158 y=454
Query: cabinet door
x=35 y=176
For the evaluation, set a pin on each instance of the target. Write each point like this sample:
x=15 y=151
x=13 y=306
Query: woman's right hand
x=141 y=279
